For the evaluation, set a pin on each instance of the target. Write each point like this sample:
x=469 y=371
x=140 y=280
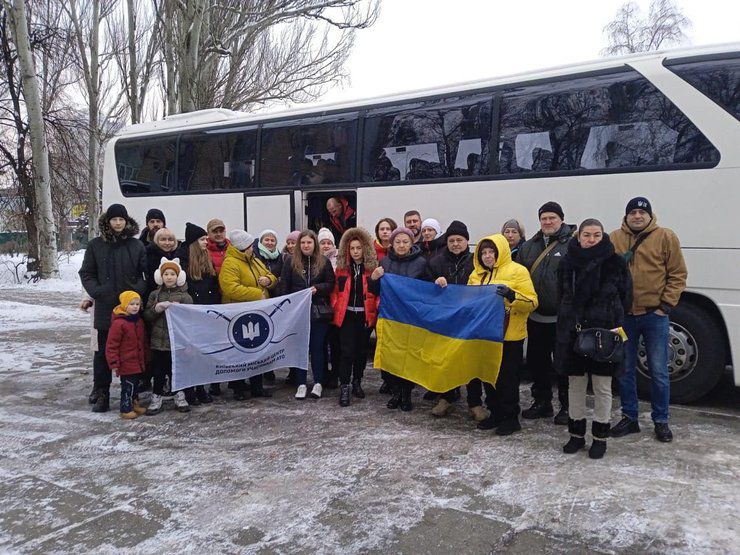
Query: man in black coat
x=452 y=266
x=114 y=262
x=541 y=255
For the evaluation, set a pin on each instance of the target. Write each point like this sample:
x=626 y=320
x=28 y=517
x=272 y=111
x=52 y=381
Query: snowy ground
x=278 y=475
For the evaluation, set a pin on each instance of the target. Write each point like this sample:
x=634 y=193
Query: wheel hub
x=682 y=354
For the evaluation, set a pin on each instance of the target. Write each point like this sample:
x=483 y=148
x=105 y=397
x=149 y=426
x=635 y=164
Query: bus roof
x=204 y=118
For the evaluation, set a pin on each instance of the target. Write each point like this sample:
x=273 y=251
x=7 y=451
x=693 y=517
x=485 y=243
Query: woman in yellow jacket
x=493 y=266
x=244 y=277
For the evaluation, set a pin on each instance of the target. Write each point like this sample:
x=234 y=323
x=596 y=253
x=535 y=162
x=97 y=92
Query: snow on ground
x=279 y=475
x=68 y=281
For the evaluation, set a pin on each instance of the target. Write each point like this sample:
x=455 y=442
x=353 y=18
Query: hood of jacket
x=370 y=257
x=109 y=236
x=233 y=252
x=503 y=258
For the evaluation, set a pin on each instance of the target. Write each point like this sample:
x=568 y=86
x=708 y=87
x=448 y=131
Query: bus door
x=275 y=211
x=315 y=210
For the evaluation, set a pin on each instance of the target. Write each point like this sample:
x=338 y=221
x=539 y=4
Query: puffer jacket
x=113 y=263
x=160 y=336
x=432 y=248
x=658 y=269
x=323 y=281
x=217 y=254
x=507 y=272
x=545 y=276
x=413 y=265
x=205 y=290
x=456 y=269
x=238 y=277
x=351 y=279
x=274 y=265
x=127 y=347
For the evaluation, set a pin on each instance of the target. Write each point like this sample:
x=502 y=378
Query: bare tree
x=44 y=217
x=630 y=32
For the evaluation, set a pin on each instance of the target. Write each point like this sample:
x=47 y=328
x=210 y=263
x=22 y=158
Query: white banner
x=226 y=342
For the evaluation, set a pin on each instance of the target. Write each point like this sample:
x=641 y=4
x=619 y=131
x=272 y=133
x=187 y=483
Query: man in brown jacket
x=658 y=270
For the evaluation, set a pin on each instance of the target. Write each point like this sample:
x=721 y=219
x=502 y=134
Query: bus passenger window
x=212 y=161
x=145 y=166
x=717 y=79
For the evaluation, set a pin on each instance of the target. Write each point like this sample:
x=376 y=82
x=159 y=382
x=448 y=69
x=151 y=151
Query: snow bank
x=68 y=282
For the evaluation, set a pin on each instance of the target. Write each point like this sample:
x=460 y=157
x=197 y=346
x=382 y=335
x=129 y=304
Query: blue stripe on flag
x=459 y=311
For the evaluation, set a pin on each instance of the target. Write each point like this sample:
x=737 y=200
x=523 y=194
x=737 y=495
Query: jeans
x=540 y=350
x=654 y=329
x=316 y=351
x=129 y=391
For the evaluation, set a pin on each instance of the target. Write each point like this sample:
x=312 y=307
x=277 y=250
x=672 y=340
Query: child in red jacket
x=126 y=351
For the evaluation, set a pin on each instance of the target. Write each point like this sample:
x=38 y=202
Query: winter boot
x=395 y=401
x=215 y=389
x=385 y=388
x=93 y=397
x=129 y=415
x=357 y=390
x=577 y=430
x=600 y=431
x=508 y=427
x=102 y=403
x=259 y=391
x=430 y=396
x=202 y=395
x=269 y=377
x=344 y=395
x=155 y=405
x=490 y=422
x=181 y=403
x=138 y=409
x=191 y=398
x=562 y=418
x=442 y=407
x=406 y=405
x=539 y=409
x=478 y=413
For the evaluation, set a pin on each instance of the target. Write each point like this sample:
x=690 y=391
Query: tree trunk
x=188 y=73
x=132 y=63
x=43 y=215
x=169 y=58
x=93 y=144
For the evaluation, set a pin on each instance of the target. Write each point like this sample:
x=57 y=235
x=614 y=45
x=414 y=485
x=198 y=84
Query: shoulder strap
x=630 y=253
x=542 y=255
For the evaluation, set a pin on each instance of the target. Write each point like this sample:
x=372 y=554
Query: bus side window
x=717 y=79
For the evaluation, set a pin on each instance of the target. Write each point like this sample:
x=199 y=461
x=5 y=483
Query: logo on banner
x=250 y=332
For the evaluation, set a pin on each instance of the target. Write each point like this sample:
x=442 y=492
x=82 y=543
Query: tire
x=696 y=355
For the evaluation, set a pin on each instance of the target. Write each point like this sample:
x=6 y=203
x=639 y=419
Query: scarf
x=585 y=265
x=269 y=255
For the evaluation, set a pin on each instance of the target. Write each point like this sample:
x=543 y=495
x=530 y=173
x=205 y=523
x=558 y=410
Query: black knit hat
x=155 y=214
x=193 y=233
x=457 y=228
x=551 y=206
x=116 y=211
x=639 y=202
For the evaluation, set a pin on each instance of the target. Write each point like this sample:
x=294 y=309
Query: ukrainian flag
x=439 y=338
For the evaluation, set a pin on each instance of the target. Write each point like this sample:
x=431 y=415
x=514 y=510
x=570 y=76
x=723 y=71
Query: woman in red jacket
x=355 y=309
x=126 y=351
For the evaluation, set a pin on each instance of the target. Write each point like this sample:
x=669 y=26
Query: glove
x=506 y=292
x=161 y=307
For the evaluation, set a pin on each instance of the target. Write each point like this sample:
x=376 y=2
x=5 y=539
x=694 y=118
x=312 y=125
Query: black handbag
x=321 y=312
x=599 y=345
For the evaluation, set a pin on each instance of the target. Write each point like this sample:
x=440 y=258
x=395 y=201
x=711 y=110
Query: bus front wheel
x=696 y=355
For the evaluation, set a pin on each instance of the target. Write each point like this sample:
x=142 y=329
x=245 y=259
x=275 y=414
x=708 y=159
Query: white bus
x=664 y=125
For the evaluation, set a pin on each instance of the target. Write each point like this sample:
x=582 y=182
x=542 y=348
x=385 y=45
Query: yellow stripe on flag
x=436 y=362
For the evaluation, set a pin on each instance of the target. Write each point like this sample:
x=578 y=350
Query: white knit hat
x=434 y=224
x=325 y=233
x=241 y=239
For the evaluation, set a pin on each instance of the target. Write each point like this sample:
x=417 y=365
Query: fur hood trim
x=107 y=234
x=368 y=250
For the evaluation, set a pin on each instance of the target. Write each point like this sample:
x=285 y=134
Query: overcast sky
x=424 y=43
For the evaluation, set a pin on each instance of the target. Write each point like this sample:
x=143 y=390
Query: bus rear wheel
x=696 y=355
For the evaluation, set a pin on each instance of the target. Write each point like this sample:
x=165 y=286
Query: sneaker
x=442 y=407
x=317 y=391
x=129 y=415
x=561 y=418
x=624 y=427
x=478 y=413
x=663 y=432
x=155 y=405
x=539 y=409
x=181 y=403
x=301 y=392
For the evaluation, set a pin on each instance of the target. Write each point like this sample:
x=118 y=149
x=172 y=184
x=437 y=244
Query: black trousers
x=332 y=355
x=503 y=400
x=101 y=371
x=397 y=384
x=475 y=393
x=354 y=339
x=255 y=384
x=540 y=352
x=161 y=368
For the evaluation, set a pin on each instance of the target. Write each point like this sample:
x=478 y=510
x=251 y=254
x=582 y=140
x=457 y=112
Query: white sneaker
x=316 y=391
x=301 y=393
x=181 y=403
x=155 y=405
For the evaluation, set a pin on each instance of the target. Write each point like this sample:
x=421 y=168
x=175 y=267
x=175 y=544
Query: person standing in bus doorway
x=114 y=262
x=653 y=255
x=541 y=255
x=412 y=221
x=453 y=265
x=341 y=216
x=217 y=242
x=155 y=221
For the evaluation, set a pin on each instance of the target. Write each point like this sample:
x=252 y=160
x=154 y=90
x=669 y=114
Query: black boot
x=385 y=388
x=539 y=409
x=600 y=431
x=489 y=423
x=191 y=398
x=344 y=395
x=508 y=427
x=259 y=391
x=269 y=377
x=93 y=397
x=406 y=405
x=102 y=403
x=562 y=418
x=577 y=430
x=202 y=395
x=215 y=389
x=357 y=390
x=395 y=401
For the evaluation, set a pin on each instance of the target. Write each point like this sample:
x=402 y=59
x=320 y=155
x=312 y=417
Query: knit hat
x=125 y=299
x=193 y=233
x=551 y=206
x=155 y=214
x=325 y=233
x=215 y=223
x=116 y=211
x=240 y=239
x=268 y=232
x=396 y=232
x=514 y=224
x=293 y=236
x=434 y=224
x=457 y=228
x=639 y=202
x=174 y=264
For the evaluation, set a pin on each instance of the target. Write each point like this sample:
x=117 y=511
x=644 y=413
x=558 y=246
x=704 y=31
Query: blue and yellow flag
x=439 y=338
